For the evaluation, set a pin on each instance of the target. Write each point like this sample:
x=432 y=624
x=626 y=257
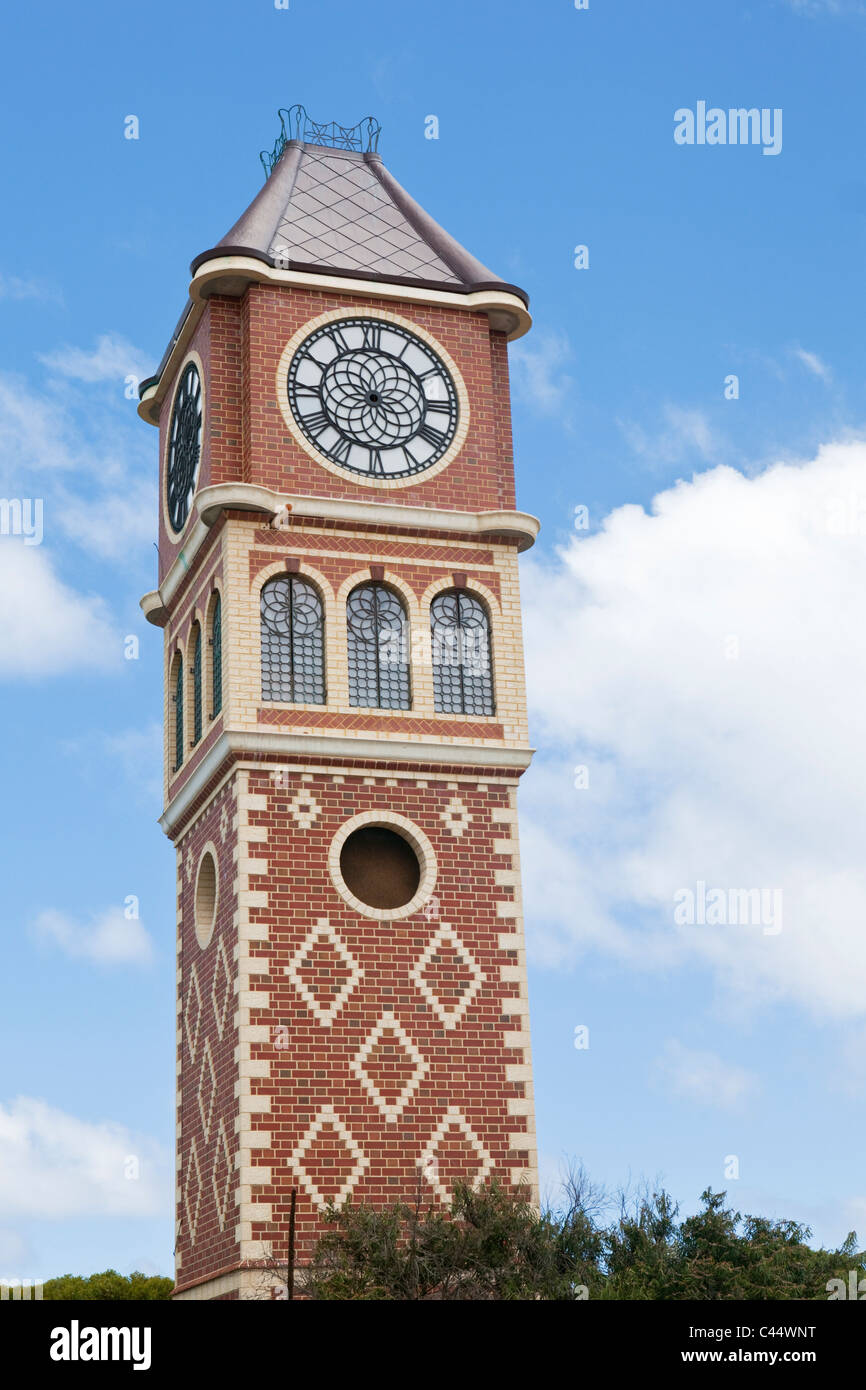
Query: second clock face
x=373 y=398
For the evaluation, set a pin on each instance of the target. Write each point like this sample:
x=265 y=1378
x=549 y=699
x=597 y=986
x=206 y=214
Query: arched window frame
x=215 y=647
x=306 y=668
x=390 y=681
x=196 y=684
x=176 y=688
x=478 y=699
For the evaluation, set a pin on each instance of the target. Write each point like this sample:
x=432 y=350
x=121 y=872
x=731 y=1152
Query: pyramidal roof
x=333 y=211
x=330 y=207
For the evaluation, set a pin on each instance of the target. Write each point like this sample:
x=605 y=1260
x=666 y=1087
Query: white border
x=204 y=936
x=410 y=832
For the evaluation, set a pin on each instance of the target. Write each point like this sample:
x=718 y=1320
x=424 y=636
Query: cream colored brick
x=254 y=1105
x=249 y=897
x=251 y=1177
x=521 y=1141
x=255 y=1211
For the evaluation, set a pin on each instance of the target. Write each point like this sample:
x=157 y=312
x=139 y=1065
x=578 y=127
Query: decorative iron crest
x=296 y=124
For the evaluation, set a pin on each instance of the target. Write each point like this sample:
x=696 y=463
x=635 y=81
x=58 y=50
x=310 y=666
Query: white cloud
x=14 y=287
x=34 y=431
x=138 y=751
x=110 y=939
x=110 y=524
x=744 y=773
x=90 y=462
x=113 y=359
x=55 y=1165
x=812 y=362
x=701 y=1078
x=814 y=8
x=46 y=627
x=537 y=371
x=684 y=435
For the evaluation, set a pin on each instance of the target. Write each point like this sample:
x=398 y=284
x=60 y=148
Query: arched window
x=293 y=628
x=462 y=669
x=178 y=714
x=378 y=649
x=196 y=684
x=216 y=656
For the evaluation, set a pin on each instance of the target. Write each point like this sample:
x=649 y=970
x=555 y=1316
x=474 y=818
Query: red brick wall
x=480 y=479
x=204 y=978
x=466 y=1063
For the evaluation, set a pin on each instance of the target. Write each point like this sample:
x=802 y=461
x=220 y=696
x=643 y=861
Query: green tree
x=109 y=1287
x=493 y=1245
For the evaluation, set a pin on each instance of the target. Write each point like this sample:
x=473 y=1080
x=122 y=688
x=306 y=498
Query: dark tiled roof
x=340 y=212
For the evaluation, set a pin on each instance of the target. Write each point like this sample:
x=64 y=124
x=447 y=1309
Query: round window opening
x=205 y=899
x=380 y=867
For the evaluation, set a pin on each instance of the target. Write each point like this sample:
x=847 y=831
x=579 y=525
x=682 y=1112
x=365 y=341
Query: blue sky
x=697 y=648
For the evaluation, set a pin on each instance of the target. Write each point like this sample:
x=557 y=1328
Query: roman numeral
x=431 y=436
x=373 y=335
x=440 y=407
x=340 y=451
x=316 y=422
x=375 y=465
x=337 y=337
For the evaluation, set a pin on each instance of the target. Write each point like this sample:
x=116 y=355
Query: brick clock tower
x=345 y=720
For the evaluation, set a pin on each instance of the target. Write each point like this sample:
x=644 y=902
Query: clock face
x=184 y=447
x=373 y=398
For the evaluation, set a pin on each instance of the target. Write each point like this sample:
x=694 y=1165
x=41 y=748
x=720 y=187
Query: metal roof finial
x=296 y=124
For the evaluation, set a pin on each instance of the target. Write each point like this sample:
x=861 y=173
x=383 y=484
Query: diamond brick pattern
x=389 y=1067
x=221 y=989
x=328 y=1161
x=206 y=1093
x=192 y=1192
x=221 y=1176
x=448 y=976
x=454 y=1153
x=324 y=973
x=192 y=1013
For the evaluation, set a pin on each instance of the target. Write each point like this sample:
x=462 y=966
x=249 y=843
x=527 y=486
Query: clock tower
x=345 y=720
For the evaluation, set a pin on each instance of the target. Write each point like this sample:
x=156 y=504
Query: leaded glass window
x=196 y=686
x=178 y=716
x=216 y=645
x=462 y=669
x=378 y=649
x=293 y=628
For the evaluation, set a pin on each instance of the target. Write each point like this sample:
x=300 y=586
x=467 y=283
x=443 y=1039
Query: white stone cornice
x=211 y=502
x=337 y=747
x=232 y=274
